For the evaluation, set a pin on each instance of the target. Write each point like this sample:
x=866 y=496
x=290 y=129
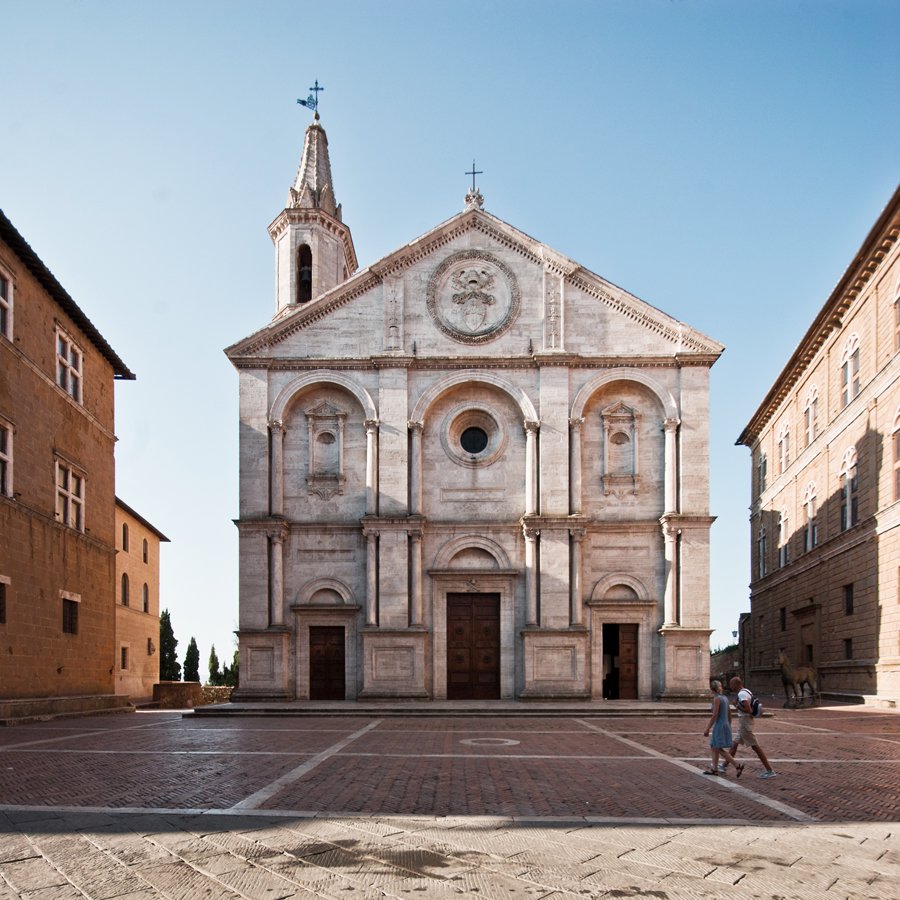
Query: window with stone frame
x=69 y=496
x=326 y=424
x=4 y=581
x=848 y=599
x=897 y=319
x=761 y=553
x=6 y=304
x=895 y=443
x=6 y=459
x=811 y=415
x=69 y=363
x=123 y=662
x=849 y=489
x=783 y=538
x=620 y=425
x=810 y=513
x=761 y=470
x=848 y=648
x=850 y=370
x=784 y=448
x=69 y=615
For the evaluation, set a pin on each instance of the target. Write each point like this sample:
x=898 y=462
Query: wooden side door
x=628 y=662
x=473 y=646
x=327 y=663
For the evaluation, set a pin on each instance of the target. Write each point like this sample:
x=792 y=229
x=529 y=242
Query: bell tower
x=314 y=250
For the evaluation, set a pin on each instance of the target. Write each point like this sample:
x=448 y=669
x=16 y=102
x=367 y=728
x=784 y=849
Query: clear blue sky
x=721 y=160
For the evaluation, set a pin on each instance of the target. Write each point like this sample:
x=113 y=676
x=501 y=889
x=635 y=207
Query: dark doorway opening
x=473 y=646
x=620 y=670
x=327 y=662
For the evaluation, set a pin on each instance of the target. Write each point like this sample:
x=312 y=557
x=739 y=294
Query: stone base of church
x=685 y=653
x=265 y=665
x=556 y=664
x=394 y=664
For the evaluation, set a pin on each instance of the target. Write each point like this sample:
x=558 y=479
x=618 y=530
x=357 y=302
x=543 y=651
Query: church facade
x=471 y=470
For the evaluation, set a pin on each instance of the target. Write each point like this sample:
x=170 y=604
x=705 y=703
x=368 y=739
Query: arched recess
x=282 y=401
x=449 y=550
x=529 y=413
x=311 y=588
x=604 y=585
x=594 y=384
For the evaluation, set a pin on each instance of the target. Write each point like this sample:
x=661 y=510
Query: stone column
x=575 y=430
x=371 y=576
x=575 y=617
x=531 y=432
x=415 y=469
x=531 y=575
x=416 y=611
x=670 y=536
x=276 y=541
x=276 y=475
x=371 y=467
x=671 y=465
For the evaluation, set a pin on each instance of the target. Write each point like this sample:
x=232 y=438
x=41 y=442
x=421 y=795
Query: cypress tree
x=169 y=667
x=215 y=676
x=192 y=662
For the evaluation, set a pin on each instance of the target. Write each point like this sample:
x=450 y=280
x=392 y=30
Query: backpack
x=756 y=707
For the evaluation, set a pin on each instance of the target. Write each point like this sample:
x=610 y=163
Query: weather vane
x=312 y=101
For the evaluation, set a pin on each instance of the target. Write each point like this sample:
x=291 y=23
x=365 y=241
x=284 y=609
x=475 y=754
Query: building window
x=849 y=490
x=124 y=589
x=124 y=536
x=6 y=305
x=151 y=649
x=896 y=445
x=145 y=550
x=304 y=274
x=848 y=599
x=850 y=370
x=897 y=320
x=124 y=660
x=784 y=449
x=145 y=598
x=4 y=581
x=848 y=648
x=782 y=618
x=783 y=536
x=761 y=466
x=69 y=360
x=761 y=550
x=811 y=415
x=69 y=497
x=810 y=526
x=70 y=616
x=6 y=459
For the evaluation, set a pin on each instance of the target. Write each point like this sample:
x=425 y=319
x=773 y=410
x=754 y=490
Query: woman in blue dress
x=720 y=726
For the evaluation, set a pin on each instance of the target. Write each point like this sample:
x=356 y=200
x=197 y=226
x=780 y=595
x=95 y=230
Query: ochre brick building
x=137 y=603
x=57 y=489
x=825 y=519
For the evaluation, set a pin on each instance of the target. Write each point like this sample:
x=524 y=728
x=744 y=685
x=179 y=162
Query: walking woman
x=720 y=726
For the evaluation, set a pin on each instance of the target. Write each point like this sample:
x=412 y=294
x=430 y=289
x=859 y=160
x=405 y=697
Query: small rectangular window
x=70 y=617
x=782 y=618
x=150 y=647
x=848 y=648
x=69 y=360
x=124 y=658
x=6 y=459
x=6 y=295
x=2 y=602
x=69 y=497
x=848 y=599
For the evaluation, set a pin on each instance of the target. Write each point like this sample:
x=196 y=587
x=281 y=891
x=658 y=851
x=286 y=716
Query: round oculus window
x=473 y=439
x=473 y=436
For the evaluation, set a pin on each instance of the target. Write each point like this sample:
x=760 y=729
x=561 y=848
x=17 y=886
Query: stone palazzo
x=473 y=470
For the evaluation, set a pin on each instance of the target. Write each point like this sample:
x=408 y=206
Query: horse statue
x=796 y=680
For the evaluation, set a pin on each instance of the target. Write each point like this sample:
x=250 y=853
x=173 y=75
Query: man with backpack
x=744 y=705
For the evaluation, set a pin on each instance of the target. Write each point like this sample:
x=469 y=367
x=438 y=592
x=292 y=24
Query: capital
x=531 y=426
x=371 y=426
x=575 y=424
x=415 y=426
x=671 y=424
x=276 y=426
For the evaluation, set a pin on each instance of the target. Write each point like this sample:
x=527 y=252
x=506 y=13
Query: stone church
x=472 y=470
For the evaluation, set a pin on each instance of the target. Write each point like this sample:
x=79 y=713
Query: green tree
x=215 y=676
x=192 y=662
x=169 y=667
x=230 y=676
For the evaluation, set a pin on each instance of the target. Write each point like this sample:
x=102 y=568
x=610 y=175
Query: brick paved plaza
x=159 y=805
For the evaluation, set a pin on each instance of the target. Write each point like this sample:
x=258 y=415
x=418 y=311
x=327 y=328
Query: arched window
x=124 y=535
x=811 y=414
x=124 y=589
x=850 y=370
x=145 y=551
x=783 y=536
x=761 y=470
x=304 y=274
x=810 y=526
x=145 y=598
x=849 y=489
x=784 y=448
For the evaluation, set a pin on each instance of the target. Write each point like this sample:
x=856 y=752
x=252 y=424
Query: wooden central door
x=628 y=662
x=326 y=662
x=473 y=646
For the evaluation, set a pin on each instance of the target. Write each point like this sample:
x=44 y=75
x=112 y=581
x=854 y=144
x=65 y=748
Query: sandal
x=709 y=772
x=740 y=769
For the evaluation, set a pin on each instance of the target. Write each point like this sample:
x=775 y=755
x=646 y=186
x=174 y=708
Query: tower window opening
x=304 y=274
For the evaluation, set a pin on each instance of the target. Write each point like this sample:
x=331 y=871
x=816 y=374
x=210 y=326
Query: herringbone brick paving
x=498 y=807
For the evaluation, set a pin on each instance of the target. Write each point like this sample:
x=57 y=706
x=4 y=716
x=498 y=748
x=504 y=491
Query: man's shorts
x=745 y=733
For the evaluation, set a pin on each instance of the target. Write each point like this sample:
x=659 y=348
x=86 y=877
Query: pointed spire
x=313 y=187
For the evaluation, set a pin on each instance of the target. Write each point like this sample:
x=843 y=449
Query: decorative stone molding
x=473 y=297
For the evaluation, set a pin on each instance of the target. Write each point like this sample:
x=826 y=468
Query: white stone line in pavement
x=777 y=805
x=260 y=796
x=130 y=752
x=83 y=734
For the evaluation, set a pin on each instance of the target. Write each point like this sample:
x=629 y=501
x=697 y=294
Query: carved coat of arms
x=472 y=296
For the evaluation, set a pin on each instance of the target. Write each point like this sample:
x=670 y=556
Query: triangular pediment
x=493 y=251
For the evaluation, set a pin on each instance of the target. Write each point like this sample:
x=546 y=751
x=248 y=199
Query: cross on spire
x=312 y=101
x=473 y=173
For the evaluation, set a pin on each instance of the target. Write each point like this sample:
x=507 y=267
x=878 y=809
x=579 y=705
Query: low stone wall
x=210 y=694
x=177 y=694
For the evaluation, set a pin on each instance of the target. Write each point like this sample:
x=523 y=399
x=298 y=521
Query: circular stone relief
x=472 y=436
x=473 y=296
